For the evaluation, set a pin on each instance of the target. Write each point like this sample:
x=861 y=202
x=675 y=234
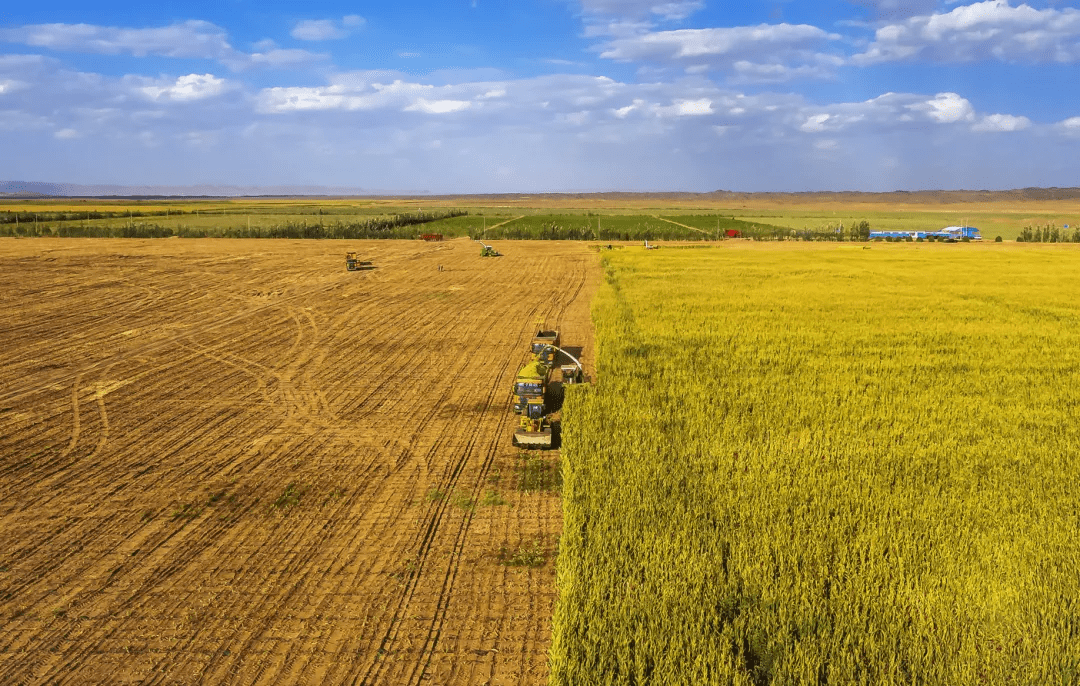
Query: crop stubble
x=235 y=461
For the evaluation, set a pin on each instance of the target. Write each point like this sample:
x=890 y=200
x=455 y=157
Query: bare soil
x=234 y=461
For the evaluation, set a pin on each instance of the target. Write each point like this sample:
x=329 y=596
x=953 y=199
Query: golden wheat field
x=830 y=463
x=826 y=464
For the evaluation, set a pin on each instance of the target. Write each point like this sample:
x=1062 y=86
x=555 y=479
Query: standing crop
x=813 y=464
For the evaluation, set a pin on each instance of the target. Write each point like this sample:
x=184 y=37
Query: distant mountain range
x=40 y=189
x=43 y=189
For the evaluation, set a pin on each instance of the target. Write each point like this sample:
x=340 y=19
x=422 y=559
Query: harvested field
x=234 y=461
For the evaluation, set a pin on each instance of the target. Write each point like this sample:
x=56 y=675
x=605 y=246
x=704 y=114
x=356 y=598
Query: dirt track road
x=234 y=461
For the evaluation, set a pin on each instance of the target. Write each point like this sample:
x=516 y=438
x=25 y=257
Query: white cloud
x=367 y=91
x=438 y=106
x=184 y=40
x=22 y=63
x=66 y=134
x=1001 y=122
x=691 y=108
x=327 y=29
x=199 y=39
x=699 y=43
x=819 y=66
x=561 y=131
x=898 y=8
x=1070 y=127
x=764 y=53
x=280 y=58
x=946 y=108
x=673 y=9
x=187 y=88
x=889 y=112
x=815 y=123
x=990 y=30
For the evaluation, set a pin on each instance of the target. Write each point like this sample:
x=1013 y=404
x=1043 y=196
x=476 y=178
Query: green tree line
x=1049 y=233
x=396 y=226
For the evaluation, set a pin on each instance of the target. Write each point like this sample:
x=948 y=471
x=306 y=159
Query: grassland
x=812 y=463
x=529 y=215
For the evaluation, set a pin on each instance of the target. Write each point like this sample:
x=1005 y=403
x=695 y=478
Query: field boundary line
x=692 y=228
x=495 y=226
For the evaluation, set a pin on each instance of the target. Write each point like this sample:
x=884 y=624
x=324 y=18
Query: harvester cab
x=534 y=430
x=572 y=374
x=353 y=264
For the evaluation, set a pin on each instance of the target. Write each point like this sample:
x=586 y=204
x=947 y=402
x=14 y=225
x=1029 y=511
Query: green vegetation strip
x=615 y=227
x=829 y=465
x=222 y=226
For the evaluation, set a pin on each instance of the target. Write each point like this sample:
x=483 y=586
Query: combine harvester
x=354 y=265
x=950 y=234
x=539 y=418
x=487 y=250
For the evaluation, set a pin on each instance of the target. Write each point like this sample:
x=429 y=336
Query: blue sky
x=544 y=95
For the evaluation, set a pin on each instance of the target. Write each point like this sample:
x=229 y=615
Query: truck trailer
x=950 y=234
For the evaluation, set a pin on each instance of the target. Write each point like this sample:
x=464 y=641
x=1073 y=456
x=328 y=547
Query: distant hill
x=25 y=189
x=894 y=197
x=40 y=189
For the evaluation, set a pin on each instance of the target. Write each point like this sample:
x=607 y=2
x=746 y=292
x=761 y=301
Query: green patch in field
x=526 y=555
x=536 y=473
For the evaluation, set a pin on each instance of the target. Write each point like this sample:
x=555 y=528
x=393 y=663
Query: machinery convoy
x=537 y=398
x=950 y=234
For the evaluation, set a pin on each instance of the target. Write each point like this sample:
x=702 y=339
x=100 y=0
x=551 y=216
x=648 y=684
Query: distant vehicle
x=650 y=247
x=950 y=234
x=733 y=233
x=355 y=264
x=432 y=237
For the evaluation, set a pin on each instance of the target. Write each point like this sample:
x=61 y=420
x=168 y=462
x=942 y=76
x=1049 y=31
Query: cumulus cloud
x=327 y=29
x=1001 y=122
x=372 y=91
x=187 y=88
x=608 y=133
x=990 y=30
x=946 y=108
x=893 y=112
